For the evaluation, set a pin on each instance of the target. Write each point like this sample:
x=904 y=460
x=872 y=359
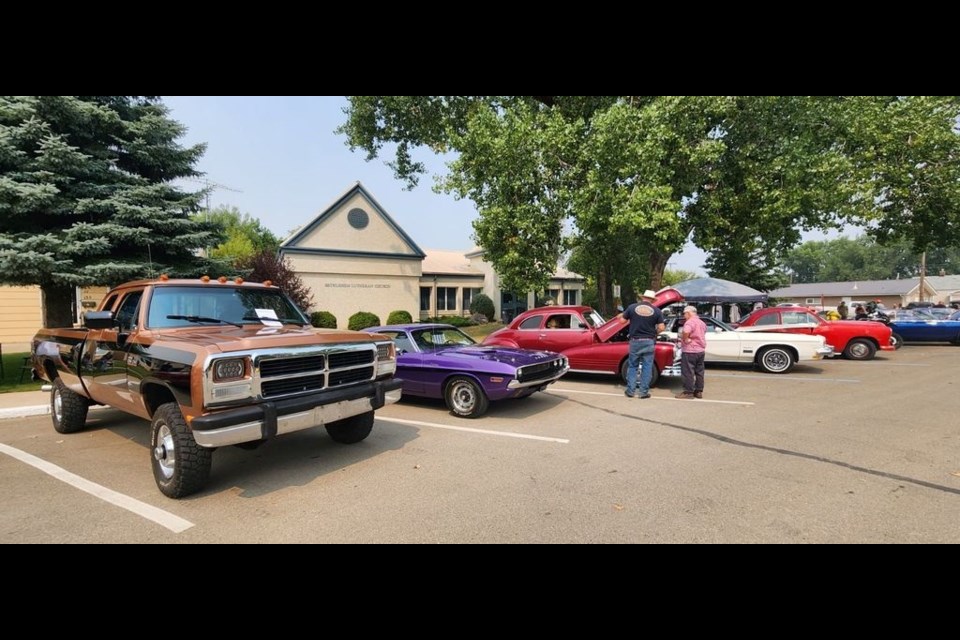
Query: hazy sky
x=281 y=154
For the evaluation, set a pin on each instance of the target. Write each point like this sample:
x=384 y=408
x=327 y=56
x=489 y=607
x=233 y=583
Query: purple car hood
x=516 y=357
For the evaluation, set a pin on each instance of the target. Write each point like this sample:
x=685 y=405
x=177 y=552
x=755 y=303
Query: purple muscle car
x=440 y=361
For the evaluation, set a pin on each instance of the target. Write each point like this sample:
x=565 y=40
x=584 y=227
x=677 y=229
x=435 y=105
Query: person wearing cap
x=646 y=321
x=693 y=340
x=843 y=310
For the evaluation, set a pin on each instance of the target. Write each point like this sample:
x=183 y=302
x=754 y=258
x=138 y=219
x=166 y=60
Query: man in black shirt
x=646 y=321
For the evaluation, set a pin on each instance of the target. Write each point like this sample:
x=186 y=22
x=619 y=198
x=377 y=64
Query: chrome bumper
x=268 y=419
x=513 y=384
x=823 y=352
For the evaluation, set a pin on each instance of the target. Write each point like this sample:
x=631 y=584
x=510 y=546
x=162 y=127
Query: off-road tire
x=351 y=430
x=68 y=409
x=180 y=465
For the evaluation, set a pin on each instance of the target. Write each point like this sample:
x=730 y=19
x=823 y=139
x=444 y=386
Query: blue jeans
x=641 y=353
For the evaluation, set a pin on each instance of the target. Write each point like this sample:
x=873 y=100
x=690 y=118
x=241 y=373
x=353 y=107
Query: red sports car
x=591 y=344
x=855 y=339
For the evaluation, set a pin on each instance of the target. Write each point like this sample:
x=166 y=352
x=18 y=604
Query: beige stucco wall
x=377 y=236
x=344 y=295
x=20 y=317
x=354 y=265
x=491 y=282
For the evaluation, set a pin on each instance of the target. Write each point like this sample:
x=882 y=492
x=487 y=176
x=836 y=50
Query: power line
x=210 y=185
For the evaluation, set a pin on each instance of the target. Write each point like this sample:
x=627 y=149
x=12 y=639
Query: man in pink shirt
x=693 y=342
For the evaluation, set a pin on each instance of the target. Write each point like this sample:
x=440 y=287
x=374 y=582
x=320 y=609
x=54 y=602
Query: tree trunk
x=628 y=295
x=658 y=264
x=58 y=300
x=603 y=290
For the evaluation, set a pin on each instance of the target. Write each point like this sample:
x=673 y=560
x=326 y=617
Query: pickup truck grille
x=300 y=384
x=307 y=370
x=338 y=378
x=350 y=359
x=286 y=366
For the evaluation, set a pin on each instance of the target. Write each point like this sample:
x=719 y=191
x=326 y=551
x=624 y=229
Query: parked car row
x=540 y=345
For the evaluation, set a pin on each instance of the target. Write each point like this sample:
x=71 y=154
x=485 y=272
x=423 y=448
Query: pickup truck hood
x=227 y=338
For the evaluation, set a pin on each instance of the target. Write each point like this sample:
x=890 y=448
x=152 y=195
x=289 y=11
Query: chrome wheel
x=860 y=349
x=57 y=405
x=463 y=396
x=164 y=452
x=776 y=360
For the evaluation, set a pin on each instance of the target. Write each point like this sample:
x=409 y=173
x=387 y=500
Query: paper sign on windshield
x=268 y=317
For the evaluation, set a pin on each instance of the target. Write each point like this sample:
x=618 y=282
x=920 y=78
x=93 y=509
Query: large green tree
x=86 y=195
x=863 y=258
x=740 y=176
x=245 y=236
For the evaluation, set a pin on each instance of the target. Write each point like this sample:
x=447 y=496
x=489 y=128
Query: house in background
x=947 y=286
x=354 y=257
x=827 y=295
x=22 y=313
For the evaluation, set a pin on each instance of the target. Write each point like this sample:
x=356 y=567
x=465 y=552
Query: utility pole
x=923 y=273
x=209 y=186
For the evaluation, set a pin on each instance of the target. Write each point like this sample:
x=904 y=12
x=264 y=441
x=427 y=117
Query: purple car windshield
x=440 y=337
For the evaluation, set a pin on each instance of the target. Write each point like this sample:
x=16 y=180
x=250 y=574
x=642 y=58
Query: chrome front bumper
x=268 y=419
x=513 y=384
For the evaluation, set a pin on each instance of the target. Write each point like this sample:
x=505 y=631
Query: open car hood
x=665 y=297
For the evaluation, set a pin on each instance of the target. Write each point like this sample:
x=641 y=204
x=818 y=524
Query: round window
x=358 y=218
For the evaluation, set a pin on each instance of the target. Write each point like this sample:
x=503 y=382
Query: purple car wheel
x=465 y=398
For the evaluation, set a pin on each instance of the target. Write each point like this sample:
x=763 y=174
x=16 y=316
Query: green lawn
x=481 y=331
x=12 y=362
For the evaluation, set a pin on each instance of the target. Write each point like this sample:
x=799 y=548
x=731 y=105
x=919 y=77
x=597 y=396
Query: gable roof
x=855 y=289
x=944 y=284
x=448 y=263
x=290 y=244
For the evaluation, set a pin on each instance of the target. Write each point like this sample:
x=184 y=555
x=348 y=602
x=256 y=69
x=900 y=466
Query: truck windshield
x=233 y=305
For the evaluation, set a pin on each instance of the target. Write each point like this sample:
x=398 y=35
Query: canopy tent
x=717 y=290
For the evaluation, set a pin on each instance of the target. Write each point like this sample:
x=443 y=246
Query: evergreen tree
x=86 y=195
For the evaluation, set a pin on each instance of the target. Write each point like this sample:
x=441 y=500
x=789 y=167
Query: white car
x=772 y=352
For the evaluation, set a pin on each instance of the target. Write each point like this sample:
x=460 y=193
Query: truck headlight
x=386 y=359
x=229 y=369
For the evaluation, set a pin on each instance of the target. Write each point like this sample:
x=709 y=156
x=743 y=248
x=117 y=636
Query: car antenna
x=151 y=272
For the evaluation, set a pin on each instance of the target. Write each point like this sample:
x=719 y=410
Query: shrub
x=363 y=319
x=399 y=317
x=482 y=303
x=323 y=320
x=456 y=321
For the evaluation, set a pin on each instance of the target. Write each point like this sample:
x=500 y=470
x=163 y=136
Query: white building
x=354 y=257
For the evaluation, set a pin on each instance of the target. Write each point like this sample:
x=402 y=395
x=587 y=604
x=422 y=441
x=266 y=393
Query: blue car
x=918 y=325
x=440 y=361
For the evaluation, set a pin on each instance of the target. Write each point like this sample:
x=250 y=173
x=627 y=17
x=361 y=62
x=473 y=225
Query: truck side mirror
x=99 y=320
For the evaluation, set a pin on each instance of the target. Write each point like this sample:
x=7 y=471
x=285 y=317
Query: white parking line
x=506 y=434
x=142 y=509
x=603 y=393
x=782 y=378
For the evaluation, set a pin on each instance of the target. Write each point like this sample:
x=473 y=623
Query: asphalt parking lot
x=836 y=452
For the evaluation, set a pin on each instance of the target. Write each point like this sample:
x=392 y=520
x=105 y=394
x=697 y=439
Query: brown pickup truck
x=213 y=363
